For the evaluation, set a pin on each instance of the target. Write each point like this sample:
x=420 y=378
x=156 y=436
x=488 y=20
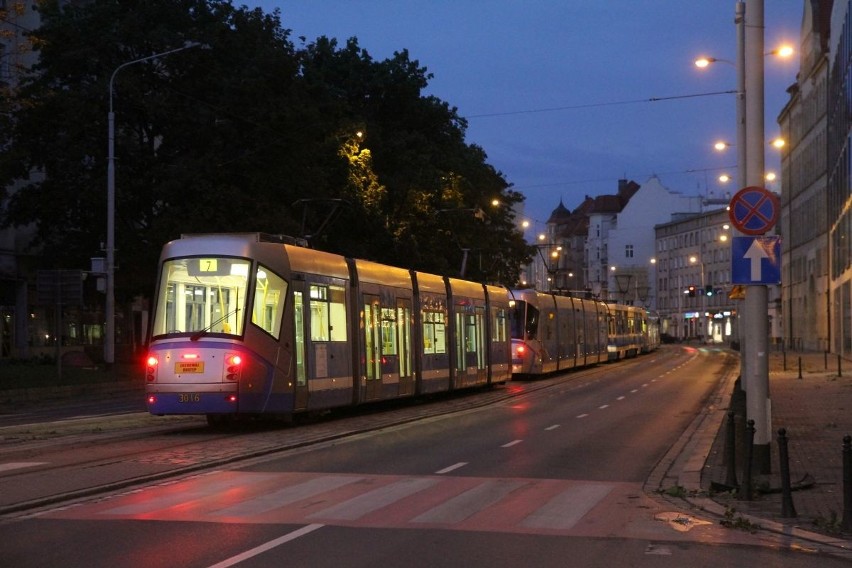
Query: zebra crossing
x=388 y=501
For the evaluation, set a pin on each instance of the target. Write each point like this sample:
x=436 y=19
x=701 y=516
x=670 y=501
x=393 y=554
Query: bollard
x=745 y=494
x=846 y=524
x=731 y=452
x=839 y=374
x=800 y=367
x=825 y=360
x=784 y=358
x=787 y=508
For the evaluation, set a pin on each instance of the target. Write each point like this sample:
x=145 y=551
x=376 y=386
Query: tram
x=251 y=324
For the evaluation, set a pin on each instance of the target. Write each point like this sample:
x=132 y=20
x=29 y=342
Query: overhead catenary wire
x=603 y=104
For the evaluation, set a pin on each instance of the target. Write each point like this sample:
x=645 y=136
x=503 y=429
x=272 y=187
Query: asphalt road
x=553 y=477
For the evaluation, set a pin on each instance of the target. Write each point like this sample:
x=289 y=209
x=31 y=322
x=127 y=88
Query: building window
x=628 y=251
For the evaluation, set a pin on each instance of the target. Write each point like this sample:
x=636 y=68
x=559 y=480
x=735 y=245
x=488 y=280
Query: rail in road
x=39 y=467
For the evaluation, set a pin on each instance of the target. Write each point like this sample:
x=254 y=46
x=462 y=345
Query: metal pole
x=846 y=523
x=731 y=452
x=742 y=153
x=788 y=509
x=109 y=330
x=755 y=305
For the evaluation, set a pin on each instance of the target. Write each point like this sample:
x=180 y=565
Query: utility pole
x=756 y=306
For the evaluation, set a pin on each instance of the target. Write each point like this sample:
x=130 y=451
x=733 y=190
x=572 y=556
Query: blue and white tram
x=247 y=324
x=632 y=330
x=553 y=333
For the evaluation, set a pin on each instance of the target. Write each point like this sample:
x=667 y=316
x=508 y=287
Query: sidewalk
x=816 y=411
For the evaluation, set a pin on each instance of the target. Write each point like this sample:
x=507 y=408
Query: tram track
x=119 y=459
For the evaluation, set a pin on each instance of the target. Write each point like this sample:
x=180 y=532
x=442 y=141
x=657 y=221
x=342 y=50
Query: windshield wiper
x=199 y=334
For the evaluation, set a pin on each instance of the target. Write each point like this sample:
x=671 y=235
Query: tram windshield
x=524 y=320
x=201 y=295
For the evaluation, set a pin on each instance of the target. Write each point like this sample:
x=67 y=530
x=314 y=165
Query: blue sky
x=557 y=92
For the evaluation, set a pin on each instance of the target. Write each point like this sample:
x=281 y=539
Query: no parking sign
x=754 y=210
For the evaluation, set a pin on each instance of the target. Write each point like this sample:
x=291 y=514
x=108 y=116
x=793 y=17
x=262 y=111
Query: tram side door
x=372 y=355
x=480 y=345
x=403 y=323
x=300 y=393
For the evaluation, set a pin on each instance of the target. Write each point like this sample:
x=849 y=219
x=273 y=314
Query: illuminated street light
x=783 y=51
x=704 y=62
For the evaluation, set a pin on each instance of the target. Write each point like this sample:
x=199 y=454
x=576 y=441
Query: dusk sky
x=557 y=93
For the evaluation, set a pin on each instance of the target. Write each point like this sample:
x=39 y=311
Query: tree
x=229 y=137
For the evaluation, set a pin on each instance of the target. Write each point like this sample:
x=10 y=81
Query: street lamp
x=109 y=332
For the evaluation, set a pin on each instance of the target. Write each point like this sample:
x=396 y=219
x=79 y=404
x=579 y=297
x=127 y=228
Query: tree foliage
x=230 y=135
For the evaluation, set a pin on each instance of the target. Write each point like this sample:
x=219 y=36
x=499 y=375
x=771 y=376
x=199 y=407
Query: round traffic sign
x=754 y=210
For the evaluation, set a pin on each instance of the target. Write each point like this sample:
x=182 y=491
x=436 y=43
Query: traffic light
x=708 y=290
x=691 y=291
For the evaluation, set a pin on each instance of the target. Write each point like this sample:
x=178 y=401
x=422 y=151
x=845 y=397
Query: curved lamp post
x=109 y=332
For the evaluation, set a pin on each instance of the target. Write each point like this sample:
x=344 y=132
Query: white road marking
x=165 y=499
x=512 y=443
x=453 y=467
x=564 y=510
x=554 y=427
x=470 y=502
x=288 y=495
x=233 y=560
x=620 y=398
x=18 y=465
x=357 y=507
x=603 y=407
x=582 y=415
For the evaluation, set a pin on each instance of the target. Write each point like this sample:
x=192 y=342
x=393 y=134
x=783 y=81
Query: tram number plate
x=193 y=367
x=189 y=397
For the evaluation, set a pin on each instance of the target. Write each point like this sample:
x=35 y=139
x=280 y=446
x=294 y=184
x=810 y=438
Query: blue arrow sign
x=756 y=260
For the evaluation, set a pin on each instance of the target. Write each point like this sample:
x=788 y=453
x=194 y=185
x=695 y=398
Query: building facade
x=805 y=246
x=693 y=275
x=838 y=171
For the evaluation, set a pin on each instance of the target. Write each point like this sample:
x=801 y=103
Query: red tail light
x=151 y=368
x=520 y=349
x=233 y=366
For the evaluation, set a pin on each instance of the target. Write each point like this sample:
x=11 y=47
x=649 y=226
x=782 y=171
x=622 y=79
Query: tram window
x=269 y=295
x=498 y=334
x=210 y=299
x=531 y=322
x=328 y=313
x=434 y=332
x=470 y=333
x=388 y=331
